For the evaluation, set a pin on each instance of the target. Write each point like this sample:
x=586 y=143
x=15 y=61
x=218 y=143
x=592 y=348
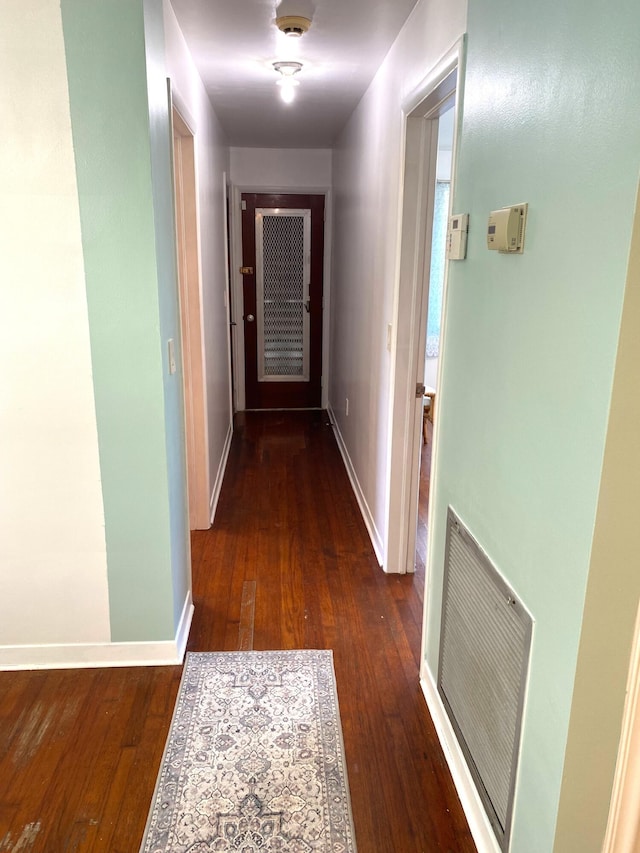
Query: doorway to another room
x=434 y=324
x=425 y=211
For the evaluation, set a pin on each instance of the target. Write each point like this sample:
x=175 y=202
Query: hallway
x=288 y=522
x=95 y=548
x=79 y=749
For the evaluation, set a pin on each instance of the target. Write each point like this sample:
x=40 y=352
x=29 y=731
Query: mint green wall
x=131 y=288
x=166 y=254
x=550 y=117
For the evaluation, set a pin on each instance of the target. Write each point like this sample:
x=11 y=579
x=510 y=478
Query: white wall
x=53 y=568
x=431 y=371
x=366 y=187
x=278 y=168
x=212 y=165
x=443 y=166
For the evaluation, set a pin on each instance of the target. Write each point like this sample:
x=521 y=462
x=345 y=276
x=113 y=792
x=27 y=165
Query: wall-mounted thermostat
x=457 y=237
x=505 y=231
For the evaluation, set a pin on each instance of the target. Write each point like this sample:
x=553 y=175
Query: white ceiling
x=235 y=42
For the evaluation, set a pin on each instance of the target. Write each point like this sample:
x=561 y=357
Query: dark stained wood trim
x=285 y=395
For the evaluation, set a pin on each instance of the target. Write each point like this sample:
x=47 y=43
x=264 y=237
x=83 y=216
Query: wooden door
x=283 y=255
x=191 y=324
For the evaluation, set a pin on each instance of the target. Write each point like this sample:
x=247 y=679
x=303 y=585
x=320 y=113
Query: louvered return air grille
x=485 y=643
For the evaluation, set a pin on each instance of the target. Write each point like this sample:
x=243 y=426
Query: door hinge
x=420 y=389
x=243 y=205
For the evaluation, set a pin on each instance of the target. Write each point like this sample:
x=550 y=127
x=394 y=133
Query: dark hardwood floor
x=287 y=565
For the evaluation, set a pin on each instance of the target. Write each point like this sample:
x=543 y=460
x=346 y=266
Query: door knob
x=250 y=318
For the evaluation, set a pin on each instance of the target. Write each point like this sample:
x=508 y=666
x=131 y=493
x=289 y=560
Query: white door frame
x=236 y=307
x=435 y=94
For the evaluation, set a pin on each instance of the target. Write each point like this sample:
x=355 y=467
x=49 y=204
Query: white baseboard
x=474 y=811
x=91 y=655
x=184 y=626
x=367 y=515
x=217 y=486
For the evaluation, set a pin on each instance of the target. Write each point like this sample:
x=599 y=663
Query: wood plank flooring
x=288 y=564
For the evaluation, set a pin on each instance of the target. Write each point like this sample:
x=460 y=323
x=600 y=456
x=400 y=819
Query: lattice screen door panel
x=485 y=644
x=283 y=252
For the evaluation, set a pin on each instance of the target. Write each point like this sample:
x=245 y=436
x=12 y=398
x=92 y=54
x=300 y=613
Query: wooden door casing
x=283 y=395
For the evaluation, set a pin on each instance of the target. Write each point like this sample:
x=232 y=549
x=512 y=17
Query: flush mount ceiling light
x=288 y=69
x=287 y=83
x=293 y=26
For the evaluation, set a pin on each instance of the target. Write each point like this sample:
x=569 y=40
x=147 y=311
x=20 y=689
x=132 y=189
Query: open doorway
x=437 y=267
x=433 y=102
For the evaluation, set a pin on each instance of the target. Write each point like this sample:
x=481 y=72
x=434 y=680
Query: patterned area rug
x=254 y=759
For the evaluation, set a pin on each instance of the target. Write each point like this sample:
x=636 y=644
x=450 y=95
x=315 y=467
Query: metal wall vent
x=485 y=643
